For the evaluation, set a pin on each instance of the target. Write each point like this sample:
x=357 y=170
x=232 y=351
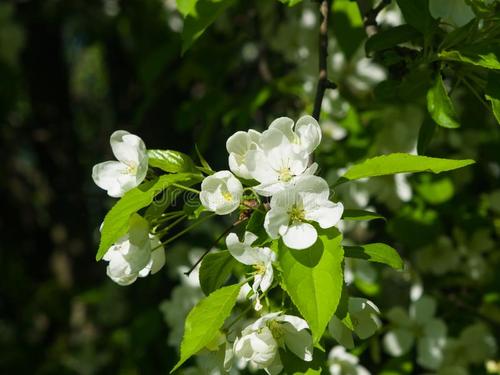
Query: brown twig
x=370 y=17
x=323 y=82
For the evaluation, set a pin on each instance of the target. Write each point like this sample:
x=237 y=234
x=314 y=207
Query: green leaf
x=352 y=214
x=416 y=13
x=486 y=55
x=343 y=309
x=425 y=134
x=313 y=278
x=400 y=163
x=203 y=161
x=440 y=106
x=492 y=94
x=115 y=223
x=171 y=161
x=185 y=6
x=347 y=24
x=375 y=252
x=390 y=38
x=199 y=17
x=205 y=320
x=290 y=3
x=215 y=270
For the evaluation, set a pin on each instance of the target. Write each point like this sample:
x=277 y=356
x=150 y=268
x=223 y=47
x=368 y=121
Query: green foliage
x=307 y=272
x=115 y=223
x=375 y=252
x=492 y=93
x=440 y=106
x=291 y=3
x=401 y=163
x=215 y=270
x=350 y=214
x=171 y=161
x=386 y=39
x=198 y=15
x=347 y=24
x=485 y=55
x=203 y=323
x=416 y=13
x=425 y=134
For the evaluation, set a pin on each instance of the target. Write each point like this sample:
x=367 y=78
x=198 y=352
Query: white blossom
x=292 y=211
x=136 y=254
x=259 y=342
x=261 y=258
x=238 y=146
x=419 y=325
x=341 y=362
x=305 y=136
x=221 y=192
x=118 y=177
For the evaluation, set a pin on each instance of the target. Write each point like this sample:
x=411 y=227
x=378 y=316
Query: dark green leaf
x=290 y=3
x=389 y=38
x=171 y=161
x=313 y=279
x=347 y=24
x=492 y=93
x=116 y=221
x=416 y=14
x=205 y=320
x=375 y=252
x=352 y=214
x=425 y=134
x=440 y=106
x=215 y=270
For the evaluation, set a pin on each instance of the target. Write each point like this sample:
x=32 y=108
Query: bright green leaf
x=401 y=163
x=313 y=278
x=185 y=7
x=492 y=94
x=352 y=214
x=375 y=252
x=215 y=270
x=171 y=161
x=436 y=191
x=390 y=38
x=116 y=221
x=290 y=3
x=202 y=15
x=205 y=320
x=440 y=106
x=486 y=55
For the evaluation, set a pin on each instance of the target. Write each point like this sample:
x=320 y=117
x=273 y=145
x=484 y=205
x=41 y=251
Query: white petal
x=312 y=189
x=267 y=278
x=300 y=236
x=127 y=147
x=398 y=342
x=158 y=258
x=238 y=143
x=269 y=189
x=106 y=175
x=285 y=126
x=276 y=221
x=309 y=133
x=123 y=280
x=326 y=214
x=259 y=167
x=298 y=342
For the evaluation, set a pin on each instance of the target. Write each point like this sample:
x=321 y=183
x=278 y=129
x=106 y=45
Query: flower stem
x=186 y=188
x=192 y=226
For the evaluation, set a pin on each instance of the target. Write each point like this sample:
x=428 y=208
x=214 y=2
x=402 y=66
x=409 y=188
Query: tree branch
x=323 y=82
x=370 y=16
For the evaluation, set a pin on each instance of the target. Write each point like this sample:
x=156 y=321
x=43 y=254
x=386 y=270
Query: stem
x=192 y=226
x=226 y=231
x=170 y=226
x=167 y=216
x=323 y=82
x=186 y=188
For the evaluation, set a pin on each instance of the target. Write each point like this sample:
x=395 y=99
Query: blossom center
x=131 y=168
x=276 y=330
x=296 y=213
x=259 y=268
x=285 y=174
x=228 y=197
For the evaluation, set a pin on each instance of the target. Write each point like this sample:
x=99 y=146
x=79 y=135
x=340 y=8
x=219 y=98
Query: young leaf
x=185 y=6
x=351 y=214
x=313 y=278
x=400 y=163
x=416 y=14
x=116 y=221
x=375 y=252
x=215 y=269
x=203 y=161
x=486 y=55
x=205 y=320
x=200 y=16
x=390 y=38
x=347 y=23
x=440 y=106
x=425 y=134
x=492 y=93
x=171 y=161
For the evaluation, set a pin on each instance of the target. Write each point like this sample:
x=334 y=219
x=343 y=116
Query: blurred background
x=72 y=72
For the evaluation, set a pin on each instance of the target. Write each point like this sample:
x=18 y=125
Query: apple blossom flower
x=419 y=325
x=238 y=146
x=305 y=136
x=118 y=177
x=221 y=193
x=259 y=342
x=292 y=211
x=364 y=315
x=261 y=258
x=341 y=362
x=136 y=254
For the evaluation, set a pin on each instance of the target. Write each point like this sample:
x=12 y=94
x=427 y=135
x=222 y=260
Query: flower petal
x=300 y=236
x=326 y=214
x=276 y=220
x=107 y=176
x=309 y=133
x=285 y=126
x=127 y=147
x=299 y=342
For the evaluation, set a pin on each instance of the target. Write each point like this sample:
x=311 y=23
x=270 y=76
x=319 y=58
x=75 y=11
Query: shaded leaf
x=416 y=13
x=440 y=106
x=390 y=38
x=425 y=134
x=375 y=252
x=486 y=55
x=492 y=94
x=353 y=214
x=215 y=270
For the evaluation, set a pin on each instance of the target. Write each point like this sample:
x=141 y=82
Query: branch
x=323 y=82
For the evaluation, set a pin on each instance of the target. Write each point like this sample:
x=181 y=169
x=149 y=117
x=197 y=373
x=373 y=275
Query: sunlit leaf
x=375 y=252
x=486 y=55
x=352 y=214
x=171 y=161
x=440 y=106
